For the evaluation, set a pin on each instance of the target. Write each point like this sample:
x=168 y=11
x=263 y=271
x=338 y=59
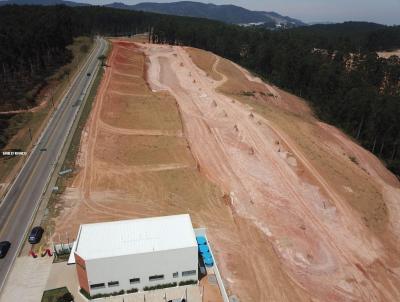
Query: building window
x=188 y=273
x=97 y=285
x=175 y=275
x=156 y=277
x=113 y=283
x=134 y=280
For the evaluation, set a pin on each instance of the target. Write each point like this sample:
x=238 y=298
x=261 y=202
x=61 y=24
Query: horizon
x=310 y=11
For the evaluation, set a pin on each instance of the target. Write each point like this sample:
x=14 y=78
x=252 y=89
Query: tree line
x=335 y=67
x=33 y=43
x=33 y=46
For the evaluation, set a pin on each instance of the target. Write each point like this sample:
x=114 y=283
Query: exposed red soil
x=325 y=245
x=290 y=217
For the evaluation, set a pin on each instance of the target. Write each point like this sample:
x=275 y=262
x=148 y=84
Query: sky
x=379 y=11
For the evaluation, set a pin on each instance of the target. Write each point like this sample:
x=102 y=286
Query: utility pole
x=52 y=97
x=30 y=133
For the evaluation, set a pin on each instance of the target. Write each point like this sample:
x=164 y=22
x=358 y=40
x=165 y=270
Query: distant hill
x=43 y=2
x=225 y=13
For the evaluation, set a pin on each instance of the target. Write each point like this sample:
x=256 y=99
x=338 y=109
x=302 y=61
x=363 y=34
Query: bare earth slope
x=290 y=215
x=335 y=247
x=135 y=161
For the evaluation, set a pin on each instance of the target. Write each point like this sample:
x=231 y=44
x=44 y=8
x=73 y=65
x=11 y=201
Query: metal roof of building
x=136 y=236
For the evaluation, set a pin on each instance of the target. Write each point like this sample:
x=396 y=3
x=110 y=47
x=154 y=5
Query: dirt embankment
x=295 y=210
x=318 y=199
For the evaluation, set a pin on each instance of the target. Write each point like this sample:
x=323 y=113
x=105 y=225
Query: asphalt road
x=18 y=207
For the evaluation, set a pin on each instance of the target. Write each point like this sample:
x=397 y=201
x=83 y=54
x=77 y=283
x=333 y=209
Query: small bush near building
x=121 y=292
x=57 y=295
x=88 y=296
x=160 y=286
x=85 y=293
x=188 y=282
x=67 y=297
x=131 y=291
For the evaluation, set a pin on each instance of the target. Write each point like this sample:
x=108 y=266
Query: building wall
x=124 y=268
x=81 y=271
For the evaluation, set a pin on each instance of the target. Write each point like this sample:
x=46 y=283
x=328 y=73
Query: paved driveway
x=27 y=279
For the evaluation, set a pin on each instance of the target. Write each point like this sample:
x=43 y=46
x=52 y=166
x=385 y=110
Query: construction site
x=295 y=210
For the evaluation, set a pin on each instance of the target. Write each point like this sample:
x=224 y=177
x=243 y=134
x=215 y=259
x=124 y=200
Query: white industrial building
x=122 y=255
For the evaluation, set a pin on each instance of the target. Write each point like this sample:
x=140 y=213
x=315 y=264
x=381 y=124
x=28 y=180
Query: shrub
x=188 y=282
x=88 y=296
x=84 y=48
x=121 y=292
x=160 y=286
x=131 y=291
x=67 y=297
x=85 y=293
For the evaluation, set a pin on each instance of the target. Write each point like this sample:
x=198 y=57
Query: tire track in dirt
x=297 y=154
x=347 y=241
x=344 y=207
x=97 y=125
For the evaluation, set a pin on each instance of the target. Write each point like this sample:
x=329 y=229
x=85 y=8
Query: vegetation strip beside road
x=36 y=120
x=68 y=162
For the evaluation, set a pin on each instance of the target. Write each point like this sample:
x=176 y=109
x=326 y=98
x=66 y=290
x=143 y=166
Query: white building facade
x=134 y=254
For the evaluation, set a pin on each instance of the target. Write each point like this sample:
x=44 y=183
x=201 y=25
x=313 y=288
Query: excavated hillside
x=295 y=210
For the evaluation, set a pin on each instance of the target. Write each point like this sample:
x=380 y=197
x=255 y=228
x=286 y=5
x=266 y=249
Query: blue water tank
x=208 y=262
x=205 y=255
x=201 y=240
x=203 y=248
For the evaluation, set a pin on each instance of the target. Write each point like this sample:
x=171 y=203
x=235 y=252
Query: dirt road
x=388 y=54
x=289 y=215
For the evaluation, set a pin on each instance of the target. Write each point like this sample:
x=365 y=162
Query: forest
x=334 y=67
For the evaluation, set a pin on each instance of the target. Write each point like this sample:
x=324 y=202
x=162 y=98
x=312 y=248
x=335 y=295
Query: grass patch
x=160 y=286
x=54 y=295
x=61 y=258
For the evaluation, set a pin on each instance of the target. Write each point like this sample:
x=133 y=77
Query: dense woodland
x=33 y=43
x=334 y=67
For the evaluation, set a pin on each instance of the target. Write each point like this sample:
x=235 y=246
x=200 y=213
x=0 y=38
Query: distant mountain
x=225 y=13
x=42 y=2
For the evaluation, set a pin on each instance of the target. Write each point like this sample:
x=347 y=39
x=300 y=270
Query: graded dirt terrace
x=290 y=216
